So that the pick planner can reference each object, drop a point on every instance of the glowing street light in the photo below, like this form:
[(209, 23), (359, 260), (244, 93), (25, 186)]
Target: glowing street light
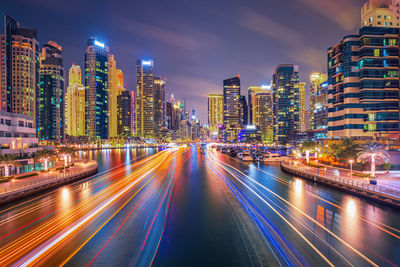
[(351, 168)]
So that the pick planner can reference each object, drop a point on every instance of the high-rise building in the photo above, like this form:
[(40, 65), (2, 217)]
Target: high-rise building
[(159, 105), (133, 112), (319, 105), (96, 84), (115, 88), (50, 97), (19, 69), (380, 13), (75, 120), (363, 92), (124, 114), (232, 109), (286, 102), (244, 110), (215, 112), (302, 106), (252, 92), (263, 114), (144, 98)]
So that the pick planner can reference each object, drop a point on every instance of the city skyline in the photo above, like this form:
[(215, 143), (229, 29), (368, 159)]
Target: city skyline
[(162, 37)]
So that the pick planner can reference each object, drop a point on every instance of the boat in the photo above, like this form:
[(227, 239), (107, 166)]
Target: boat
[(273, 157), (247, 156)]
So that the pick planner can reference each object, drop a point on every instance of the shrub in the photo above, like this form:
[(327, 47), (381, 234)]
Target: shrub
[(28, 175), (361, 175), (4, 179), (314, 165)]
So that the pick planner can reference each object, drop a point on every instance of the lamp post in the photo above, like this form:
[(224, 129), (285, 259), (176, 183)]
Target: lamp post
[(351, 168)]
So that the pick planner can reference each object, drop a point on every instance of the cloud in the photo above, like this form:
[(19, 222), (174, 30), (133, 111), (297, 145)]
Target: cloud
[(181, 37), (339, 11), (265, 26)]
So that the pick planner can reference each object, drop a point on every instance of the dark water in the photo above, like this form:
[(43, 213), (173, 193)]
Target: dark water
[(206, 209)]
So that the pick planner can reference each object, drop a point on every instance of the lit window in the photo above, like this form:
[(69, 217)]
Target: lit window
[(376, 53)]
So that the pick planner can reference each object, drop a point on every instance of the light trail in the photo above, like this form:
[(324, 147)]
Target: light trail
[(219, 162)]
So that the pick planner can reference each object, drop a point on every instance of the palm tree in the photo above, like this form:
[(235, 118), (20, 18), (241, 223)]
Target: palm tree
[(67, 152), (335, 150), (45, 155), (6, 161), (373, 152), (309, 147), (350, 149)]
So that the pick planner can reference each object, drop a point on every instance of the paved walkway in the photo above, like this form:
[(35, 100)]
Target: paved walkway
[(16, 183)]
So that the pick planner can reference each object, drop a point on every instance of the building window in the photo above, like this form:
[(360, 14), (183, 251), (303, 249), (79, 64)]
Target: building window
[(376, 53)]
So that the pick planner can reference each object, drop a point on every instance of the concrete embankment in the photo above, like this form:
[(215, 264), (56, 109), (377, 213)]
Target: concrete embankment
[(29, 188), (376, 193)]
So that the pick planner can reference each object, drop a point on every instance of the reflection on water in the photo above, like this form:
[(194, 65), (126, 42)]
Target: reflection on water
[(65, 198)]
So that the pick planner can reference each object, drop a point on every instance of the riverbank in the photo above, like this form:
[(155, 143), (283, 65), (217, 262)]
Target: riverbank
[(358, 187), (21, 188)]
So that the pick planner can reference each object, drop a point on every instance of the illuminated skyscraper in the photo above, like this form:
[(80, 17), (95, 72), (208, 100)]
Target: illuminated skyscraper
[(215, 112), (244, 111), (124, 114), (75, 104), (263, 114), (319, 105), (133, 112), (252, 92), (159, 105), (19, 69), (302, 106), (380, 13), (96, 84), (286, 102), (363, 90), (144, 98), (50, 96), (232, 108), (115, 88)]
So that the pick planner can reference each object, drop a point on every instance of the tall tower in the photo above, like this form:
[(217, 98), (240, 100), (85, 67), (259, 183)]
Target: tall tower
[(380, 13), (144, 98), (19, 53), (75, 104), (244, 110), (319, 101), (302, 106), (286, 102), (215, 112), (116, 87), (263, 114), (51, 93), (232, 108), (96, 84), (124, 114), (159, 105)]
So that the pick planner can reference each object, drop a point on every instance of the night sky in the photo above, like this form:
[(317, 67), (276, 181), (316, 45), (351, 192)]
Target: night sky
[(195, 44)]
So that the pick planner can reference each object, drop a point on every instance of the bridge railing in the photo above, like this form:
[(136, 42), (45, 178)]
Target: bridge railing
[(21, 185), (341, 178)]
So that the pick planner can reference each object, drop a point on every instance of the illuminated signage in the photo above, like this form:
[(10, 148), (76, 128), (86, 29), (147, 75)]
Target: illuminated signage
[(266, 87), (147, 62), (98, 44), (251, 127)]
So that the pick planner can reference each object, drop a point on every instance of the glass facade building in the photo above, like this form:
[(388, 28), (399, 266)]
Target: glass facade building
[(233, 117), (363, 92)]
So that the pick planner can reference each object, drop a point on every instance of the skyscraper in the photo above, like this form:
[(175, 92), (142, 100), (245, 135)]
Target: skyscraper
[(144, 98), (75, 104), (215, 112), (302, 106), (363, 92), (244, 111), (380, 13), (50, 96), (96, 84), (252, 92), (115, 88), (319, 105), (133, 112), (263, 114), (19, 69), (232, 108), (286, 102), (124, 114), (159, 105)]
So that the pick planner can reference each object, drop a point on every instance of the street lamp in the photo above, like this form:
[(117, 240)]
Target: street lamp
[(351, 168)]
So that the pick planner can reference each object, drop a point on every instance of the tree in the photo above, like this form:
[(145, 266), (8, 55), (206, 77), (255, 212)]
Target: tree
[(334, 150), (6, 161), (350, 150), (45, 155), (373, 152), (67, 152), (309, 147)]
